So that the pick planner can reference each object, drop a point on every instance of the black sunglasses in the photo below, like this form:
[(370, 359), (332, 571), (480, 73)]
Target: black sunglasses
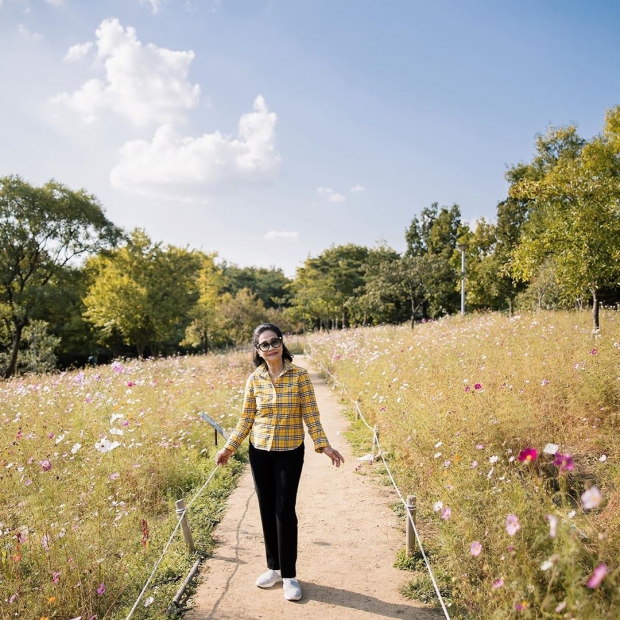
[(276, 343)]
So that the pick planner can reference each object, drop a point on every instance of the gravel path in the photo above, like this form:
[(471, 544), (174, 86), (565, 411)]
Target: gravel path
[(348, 539)]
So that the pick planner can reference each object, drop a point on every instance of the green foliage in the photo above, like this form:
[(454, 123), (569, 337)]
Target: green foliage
[(573, 213), (269, 285), (42, 230), (142, 293)]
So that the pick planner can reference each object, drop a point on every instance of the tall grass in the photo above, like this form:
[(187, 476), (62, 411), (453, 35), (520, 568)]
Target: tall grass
[(91, 464), (459, 402)]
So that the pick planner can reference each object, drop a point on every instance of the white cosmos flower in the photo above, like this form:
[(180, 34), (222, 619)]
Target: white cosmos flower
[(105, 445)]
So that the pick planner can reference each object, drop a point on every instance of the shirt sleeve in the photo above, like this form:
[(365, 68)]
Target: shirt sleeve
[(310, 412), (245, 422)]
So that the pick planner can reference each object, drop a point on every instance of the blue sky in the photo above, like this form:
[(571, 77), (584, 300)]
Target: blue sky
[(268, 130)]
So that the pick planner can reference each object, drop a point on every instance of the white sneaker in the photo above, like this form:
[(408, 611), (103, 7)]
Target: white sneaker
[(268, 579), (292, 589)]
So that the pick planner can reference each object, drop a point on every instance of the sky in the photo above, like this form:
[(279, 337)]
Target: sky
[(269, 130)]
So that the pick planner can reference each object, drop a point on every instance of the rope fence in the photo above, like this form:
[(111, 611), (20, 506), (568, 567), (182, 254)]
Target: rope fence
[(408, 506)]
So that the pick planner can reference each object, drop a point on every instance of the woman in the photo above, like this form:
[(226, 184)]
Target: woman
[(279, 398)]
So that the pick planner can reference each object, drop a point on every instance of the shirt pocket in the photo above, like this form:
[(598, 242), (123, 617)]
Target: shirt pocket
[(264, 397)]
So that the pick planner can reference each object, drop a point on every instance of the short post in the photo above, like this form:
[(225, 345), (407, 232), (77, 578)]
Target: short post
[(375, 438), (357, 409), (215, 434), (187, 533), (411, 512)]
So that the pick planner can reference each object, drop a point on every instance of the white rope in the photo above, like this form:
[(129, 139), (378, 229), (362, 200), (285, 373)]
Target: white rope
[(410, 517), (161, 557), (163, 553)]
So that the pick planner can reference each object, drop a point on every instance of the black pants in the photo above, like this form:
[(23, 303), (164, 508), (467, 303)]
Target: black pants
[(276, 479)]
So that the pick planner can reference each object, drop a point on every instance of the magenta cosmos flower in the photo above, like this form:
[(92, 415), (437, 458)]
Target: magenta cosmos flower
[(528, 455), (597, 576), (101, 589), (564, 462)]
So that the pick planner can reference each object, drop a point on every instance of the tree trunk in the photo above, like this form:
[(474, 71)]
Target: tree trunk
[(17, 339), (412, 313), (595, 310)]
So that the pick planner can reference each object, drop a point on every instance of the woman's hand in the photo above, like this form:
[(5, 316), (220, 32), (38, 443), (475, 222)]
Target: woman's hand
[(334, 455), (221, 458)]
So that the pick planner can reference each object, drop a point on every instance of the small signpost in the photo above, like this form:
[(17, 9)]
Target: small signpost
[(216, 427)]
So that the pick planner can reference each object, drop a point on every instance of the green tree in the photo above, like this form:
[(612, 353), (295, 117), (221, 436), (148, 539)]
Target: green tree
[(142, 293), (435, 235), (326, 287), (206, 328), (42, 230), (270, 285), (575, 217)]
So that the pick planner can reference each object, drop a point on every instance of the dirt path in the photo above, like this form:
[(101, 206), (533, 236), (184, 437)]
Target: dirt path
[(348, 539)]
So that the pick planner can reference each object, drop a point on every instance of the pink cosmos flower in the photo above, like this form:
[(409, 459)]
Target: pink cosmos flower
[(528, 455), (45, 541), (130, 383), (521, 606), (56, 576), (476, 548), (50, 435), (560, 607), (117, 367), (101, 589), (591, 498), (512, 525), (564, 462), (553, 525), (45, 464), (446, 513), (13, 598), (597, 576), (498, 583), (544, 382), (19, 434), (114, 476), (467, 388), (594, 352)]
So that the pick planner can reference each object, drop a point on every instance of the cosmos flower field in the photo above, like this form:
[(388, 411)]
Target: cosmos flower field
[(91, 464), (507, 431)]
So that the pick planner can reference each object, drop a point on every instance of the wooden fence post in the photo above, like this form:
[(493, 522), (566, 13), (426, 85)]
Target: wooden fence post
[(187, 533), (410, 538)]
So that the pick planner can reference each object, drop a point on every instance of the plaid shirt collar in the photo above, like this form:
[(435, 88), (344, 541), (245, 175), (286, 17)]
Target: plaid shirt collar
[(264, 372)]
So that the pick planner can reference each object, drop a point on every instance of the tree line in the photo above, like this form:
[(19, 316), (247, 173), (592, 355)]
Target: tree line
[(75, 288)]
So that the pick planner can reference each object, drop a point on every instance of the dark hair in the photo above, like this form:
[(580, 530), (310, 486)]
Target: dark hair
[(268, 327)]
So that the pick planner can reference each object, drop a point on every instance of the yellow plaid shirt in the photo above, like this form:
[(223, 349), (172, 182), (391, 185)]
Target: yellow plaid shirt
[(274, 411)]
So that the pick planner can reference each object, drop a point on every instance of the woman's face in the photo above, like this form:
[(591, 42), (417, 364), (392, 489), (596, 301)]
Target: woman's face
[(272, 354)]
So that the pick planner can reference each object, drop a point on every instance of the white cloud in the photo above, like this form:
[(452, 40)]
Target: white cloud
[(329, 194), (172, 164), (27, 34), (154, 4), (144, 83), (77, 52), (282, 234), (357, 188), (56, 2)]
